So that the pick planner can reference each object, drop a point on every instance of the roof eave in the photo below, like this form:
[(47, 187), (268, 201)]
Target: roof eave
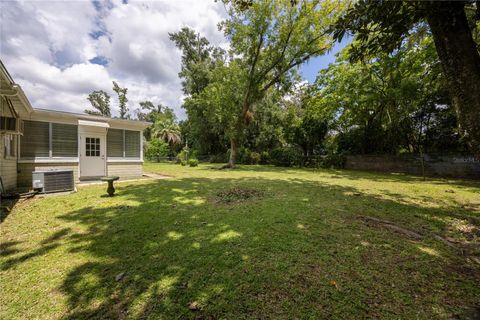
[(81, 116), (23, 98)]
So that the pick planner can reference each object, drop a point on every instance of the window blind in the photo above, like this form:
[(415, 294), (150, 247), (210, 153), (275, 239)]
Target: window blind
[(9, 145), (115, 143), (132, 144), (35, 139), (64, 140)]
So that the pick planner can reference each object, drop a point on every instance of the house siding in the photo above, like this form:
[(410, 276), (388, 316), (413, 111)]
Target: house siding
[(8, 168), (121, 169), (25, 171), (125, 170)]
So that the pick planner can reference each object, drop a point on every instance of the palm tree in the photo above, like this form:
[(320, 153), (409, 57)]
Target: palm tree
[(168, 132)]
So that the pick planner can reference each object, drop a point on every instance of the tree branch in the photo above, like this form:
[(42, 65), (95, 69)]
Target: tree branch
[(250, 75), (280, 57), (293, 63)]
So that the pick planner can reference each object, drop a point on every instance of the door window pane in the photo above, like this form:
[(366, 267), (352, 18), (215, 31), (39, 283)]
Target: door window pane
[(92, 147)]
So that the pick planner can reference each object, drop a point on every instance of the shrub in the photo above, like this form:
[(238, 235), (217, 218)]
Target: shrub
[(184, 155), (334, 160), (218, 158), (156, 149), (245, 156), (286, 156), (193, 162), (264, 157), (315, 161), (255, 158), (183, 163)]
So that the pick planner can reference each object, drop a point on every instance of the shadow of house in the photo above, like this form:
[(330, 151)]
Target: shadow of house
[(6, 205)]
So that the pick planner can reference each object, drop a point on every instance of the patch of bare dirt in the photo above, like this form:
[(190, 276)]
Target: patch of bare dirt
[(238, 194)]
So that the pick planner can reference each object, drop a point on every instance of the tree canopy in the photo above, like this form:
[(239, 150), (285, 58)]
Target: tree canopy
[(406, 83), (268, 39), (454, 26), (122, 100), (100, 101)]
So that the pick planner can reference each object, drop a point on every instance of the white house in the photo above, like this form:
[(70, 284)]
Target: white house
[(36, 139)]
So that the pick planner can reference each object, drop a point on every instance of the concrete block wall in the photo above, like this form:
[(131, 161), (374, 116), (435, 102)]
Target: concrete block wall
[(453, 166)]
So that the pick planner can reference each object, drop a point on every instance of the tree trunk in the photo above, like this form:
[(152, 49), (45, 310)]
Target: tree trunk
[(461, 64), (233, 153), (242, 120)]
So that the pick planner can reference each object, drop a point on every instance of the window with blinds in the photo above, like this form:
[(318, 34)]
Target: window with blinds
[(123, 143), (35, 140), (64, 140), (115, 143), (132, 144)]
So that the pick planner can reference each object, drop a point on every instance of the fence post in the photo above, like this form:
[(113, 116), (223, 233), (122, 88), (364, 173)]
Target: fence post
[(422, 161)]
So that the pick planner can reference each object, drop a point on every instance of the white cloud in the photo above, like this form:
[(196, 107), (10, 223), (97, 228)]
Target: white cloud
[(49, 52)]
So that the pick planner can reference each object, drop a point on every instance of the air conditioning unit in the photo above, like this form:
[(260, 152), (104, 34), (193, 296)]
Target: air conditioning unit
[(11, 125), (53, 181)]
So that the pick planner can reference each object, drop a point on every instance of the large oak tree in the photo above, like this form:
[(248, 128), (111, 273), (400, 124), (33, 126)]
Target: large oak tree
[(269, 39), (383, 25)]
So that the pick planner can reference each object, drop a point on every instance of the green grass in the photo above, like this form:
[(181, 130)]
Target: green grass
[(297, 248)]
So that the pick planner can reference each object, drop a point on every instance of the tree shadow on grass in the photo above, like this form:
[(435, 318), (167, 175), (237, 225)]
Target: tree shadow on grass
[(298, 252), (12, 262), (8, 248)]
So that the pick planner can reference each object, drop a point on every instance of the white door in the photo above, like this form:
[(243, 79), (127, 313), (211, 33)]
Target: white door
[(92, 156)]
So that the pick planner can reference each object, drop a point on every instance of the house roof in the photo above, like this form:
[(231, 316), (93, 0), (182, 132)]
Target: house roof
[(9, 89), (13, 92), (89, 123), (112, 122)]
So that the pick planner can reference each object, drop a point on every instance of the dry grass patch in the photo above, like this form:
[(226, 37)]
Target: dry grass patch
[(238, 194)]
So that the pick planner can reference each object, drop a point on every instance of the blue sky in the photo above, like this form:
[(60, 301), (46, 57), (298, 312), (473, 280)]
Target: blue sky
[(309, 70)]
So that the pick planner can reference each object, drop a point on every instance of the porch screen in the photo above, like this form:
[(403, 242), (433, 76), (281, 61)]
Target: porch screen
[(64, 140), (115, 143), (132, 144), (35, 140), (123, 143)]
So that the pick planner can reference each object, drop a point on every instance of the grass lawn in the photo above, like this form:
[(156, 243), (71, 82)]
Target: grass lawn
[(295, 244)]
